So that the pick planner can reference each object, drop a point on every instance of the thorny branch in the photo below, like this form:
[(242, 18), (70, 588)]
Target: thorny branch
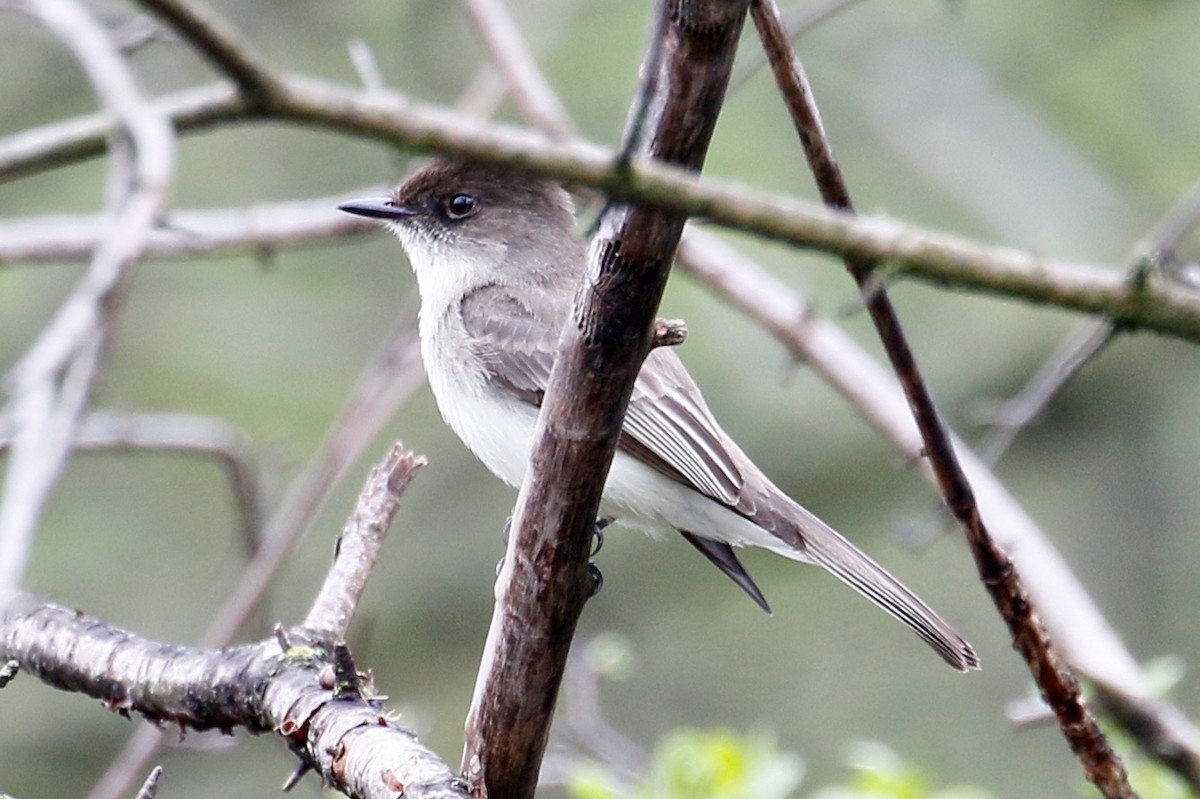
[(300, 685)]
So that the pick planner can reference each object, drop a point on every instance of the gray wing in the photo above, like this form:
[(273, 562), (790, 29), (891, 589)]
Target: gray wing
[(515, 339), (667, 425)]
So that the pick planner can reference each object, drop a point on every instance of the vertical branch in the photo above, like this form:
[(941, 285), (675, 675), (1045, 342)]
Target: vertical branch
[(544, 583), (1049, 669)]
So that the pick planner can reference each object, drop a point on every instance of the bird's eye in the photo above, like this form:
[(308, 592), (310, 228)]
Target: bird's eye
[(460, 206)]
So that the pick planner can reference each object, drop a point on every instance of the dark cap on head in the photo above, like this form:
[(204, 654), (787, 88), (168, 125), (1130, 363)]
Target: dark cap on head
[(447, 193)]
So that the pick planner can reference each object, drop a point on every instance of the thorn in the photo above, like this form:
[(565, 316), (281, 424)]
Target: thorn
[(347, 685)]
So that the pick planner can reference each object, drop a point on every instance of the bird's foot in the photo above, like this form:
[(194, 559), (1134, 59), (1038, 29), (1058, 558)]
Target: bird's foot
[(594, 572), (597, 544)]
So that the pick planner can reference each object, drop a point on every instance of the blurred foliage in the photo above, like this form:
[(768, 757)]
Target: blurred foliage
[(712, 764), (723, 764)]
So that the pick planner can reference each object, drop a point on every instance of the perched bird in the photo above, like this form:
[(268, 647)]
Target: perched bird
[(498, 265)]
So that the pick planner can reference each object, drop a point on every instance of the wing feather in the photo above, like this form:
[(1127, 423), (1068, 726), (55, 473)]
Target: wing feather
[(667, 426)]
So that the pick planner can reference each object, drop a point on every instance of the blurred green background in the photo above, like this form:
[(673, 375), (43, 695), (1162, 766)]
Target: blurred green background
[(1063, 127)]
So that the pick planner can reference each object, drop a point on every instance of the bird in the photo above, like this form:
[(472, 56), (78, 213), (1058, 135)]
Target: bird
[(498, 263)]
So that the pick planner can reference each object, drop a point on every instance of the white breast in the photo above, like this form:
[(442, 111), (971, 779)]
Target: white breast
[(495, 426)]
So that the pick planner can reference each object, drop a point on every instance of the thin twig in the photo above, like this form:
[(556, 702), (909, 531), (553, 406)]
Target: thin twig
[(1156, 248), (1012, 416), (52, 382), (1050, 671), (528, 87), (149, 788), (220, 44), (797, 22), (176, 432), (366, 65), (358, 547), (391, 377)]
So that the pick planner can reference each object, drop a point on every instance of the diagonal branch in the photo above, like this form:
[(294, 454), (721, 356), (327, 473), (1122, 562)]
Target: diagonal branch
[(1090, 643), (383, 385), (1047, 666), (301, 685), (220, 44), (52, 383)]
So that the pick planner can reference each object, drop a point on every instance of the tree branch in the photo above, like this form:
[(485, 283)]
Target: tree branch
[(176, 432), (384, 384), (357, 548), (220, 45), (52, 383), (300, 685), (1003, 581), (544, 582), (940, 258), (1089, 641)]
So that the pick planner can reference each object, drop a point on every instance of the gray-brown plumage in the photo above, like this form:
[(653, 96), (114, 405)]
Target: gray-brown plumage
[(497, 265)]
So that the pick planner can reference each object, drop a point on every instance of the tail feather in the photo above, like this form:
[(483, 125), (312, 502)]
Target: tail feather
[(828, 549)]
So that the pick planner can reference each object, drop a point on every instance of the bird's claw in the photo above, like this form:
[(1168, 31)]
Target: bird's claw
[(596, 577), (598, 534), (597, 543)]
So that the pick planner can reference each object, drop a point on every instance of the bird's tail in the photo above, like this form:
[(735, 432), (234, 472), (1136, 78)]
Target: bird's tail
[(825, 547)]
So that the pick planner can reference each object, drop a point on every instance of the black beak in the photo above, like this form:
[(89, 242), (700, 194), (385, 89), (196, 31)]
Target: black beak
[(377, 208)]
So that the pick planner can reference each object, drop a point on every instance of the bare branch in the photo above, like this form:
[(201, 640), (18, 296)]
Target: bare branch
[(544, 582), (73, 140), (1068, 611), (944, 259), (300, 684), (176, 432), (219, 43), (51, 383), (384, 385), (149, 788), (338, 730), (259, 228), (1003, 581), (796, 22), (1156, 248), (358, 547), (1075, 351), (533, 94), (366, 65)]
